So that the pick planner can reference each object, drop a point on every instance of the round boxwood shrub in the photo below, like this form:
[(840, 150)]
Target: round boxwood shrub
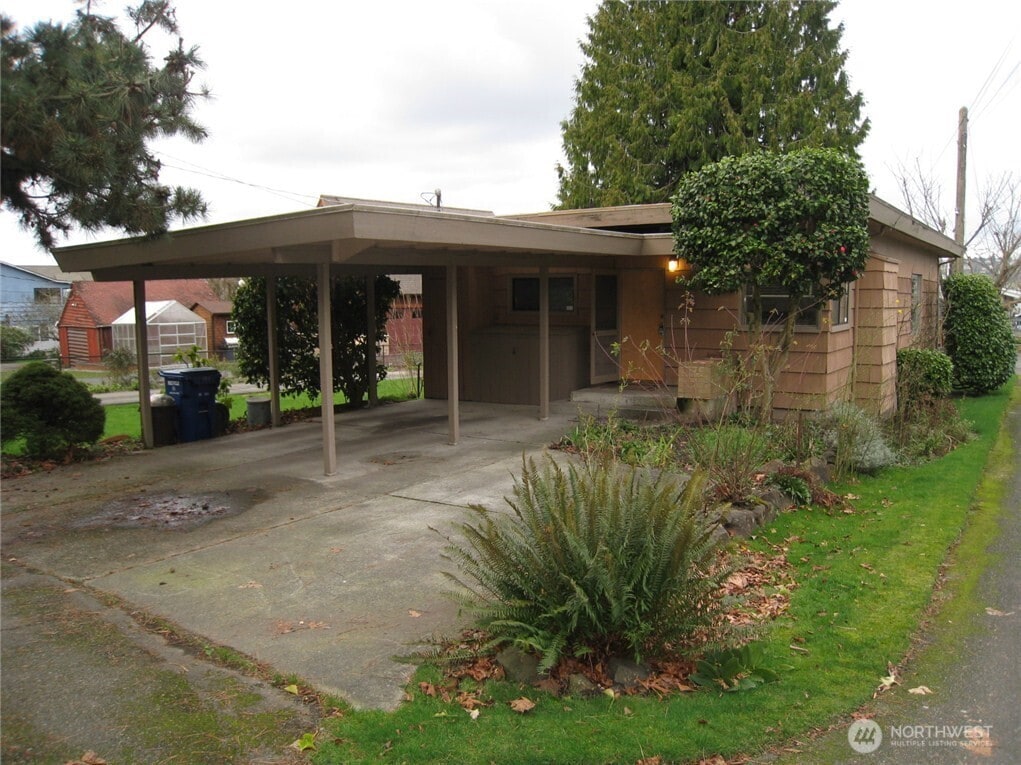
[(979, 339), (51, 410), (924, 372)]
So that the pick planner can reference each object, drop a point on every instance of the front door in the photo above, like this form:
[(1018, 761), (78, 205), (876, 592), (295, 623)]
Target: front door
[(605, 363)]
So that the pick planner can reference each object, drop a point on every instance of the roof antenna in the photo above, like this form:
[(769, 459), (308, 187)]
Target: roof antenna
[(434, 198)]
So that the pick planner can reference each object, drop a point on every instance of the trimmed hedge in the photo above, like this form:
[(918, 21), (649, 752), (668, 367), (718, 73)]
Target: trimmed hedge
[(51, 410), (924, 372), (979, 339)]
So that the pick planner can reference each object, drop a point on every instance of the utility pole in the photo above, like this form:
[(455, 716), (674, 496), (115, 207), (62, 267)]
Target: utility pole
[(962, 161)]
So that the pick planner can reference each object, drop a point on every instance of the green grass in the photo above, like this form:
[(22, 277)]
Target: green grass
[(865, 580), (123, 419)]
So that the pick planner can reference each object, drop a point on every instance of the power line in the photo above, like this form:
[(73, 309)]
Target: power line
[(199, 170)]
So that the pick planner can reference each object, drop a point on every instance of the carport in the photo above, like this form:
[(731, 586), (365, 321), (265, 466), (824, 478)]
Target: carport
[(359, 238)]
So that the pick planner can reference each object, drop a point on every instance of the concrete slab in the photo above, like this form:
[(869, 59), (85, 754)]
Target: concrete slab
[(326, 577)]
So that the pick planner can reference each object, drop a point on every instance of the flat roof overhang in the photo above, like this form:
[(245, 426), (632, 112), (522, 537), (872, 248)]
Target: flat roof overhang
[(354, 236)]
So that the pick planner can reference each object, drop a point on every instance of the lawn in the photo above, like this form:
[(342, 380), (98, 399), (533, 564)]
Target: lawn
[(123, 420), (864, 579)]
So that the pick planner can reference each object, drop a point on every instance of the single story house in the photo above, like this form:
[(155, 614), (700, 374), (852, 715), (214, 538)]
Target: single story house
[(221, 336), (527, 308), (86, 323), (31, 300)]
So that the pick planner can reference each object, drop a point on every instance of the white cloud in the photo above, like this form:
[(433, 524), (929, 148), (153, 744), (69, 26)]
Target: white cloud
[(389, 99)]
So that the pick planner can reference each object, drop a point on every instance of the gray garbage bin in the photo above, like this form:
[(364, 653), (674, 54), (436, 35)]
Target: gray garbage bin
[(259, 412), (164, 420)]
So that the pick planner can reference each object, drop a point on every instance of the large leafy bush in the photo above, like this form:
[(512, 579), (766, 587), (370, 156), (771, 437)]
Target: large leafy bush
[(979, 339), (51, 410), (593, 558)]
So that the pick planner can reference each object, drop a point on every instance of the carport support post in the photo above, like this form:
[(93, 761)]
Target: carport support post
[(370, 337), (453, 386), (544, 342), (326, 369), (273, 350), (142, 348)]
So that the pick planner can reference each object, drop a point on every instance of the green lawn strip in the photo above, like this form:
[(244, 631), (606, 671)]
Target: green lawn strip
[(957, 610), (851, 618), (123, 420)]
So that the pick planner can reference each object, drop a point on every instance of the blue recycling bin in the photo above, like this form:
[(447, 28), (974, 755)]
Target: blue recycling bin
[(194, 393)]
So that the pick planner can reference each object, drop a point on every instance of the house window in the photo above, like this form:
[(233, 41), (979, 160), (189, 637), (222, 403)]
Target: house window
[(232, 327), (916, 303), (525, 293), (840, 309), (48, 295), (774, 307)]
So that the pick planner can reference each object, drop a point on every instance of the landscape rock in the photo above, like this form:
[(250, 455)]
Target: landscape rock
[(772, 467), (775, 499), (518, 666), (719, 535), (818, 467), (740, 521), (626, 672), (579, 685)]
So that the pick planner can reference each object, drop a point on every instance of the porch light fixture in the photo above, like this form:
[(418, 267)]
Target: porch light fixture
[(676, 264)]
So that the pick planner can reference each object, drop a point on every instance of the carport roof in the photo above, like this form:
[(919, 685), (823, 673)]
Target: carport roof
[(354, 236)]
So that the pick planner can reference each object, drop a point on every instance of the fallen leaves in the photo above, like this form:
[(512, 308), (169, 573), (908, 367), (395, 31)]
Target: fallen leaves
[(89, 758), (922, 690), (997, 612), (522, 705), (284, 627), (887, 682), (979, 742), (762, 584)]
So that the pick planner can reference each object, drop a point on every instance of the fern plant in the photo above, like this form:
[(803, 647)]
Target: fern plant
[(596, 557)]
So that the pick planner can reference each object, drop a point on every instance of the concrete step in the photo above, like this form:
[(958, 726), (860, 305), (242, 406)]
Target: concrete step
[(630, 402)]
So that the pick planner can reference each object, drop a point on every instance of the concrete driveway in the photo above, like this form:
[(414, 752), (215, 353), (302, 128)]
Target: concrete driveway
[(324, 577)]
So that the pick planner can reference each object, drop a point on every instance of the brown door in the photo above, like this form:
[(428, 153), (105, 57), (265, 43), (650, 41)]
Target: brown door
[(605, 358)]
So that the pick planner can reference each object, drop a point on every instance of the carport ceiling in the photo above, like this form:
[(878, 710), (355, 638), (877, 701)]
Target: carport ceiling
[(355, 237)]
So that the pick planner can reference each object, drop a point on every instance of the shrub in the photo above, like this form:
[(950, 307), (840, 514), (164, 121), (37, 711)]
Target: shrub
[(794, 486), (14, 341), (731, 455), (923, 372), (595, 558), (122, 366), (979, 339), (931, 428), (51, 410), (857, 439), (619, 439)]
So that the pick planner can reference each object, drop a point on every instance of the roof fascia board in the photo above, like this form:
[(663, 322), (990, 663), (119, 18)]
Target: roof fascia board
[(889, 217)]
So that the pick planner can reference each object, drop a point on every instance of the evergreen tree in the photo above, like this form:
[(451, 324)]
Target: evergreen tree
[(668, 87), (80, 104), (297, 322)]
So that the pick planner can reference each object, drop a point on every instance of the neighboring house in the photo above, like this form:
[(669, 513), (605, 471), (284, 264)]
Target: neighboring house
[(86, 324), (221, 336), (31, 300), (403, 347)]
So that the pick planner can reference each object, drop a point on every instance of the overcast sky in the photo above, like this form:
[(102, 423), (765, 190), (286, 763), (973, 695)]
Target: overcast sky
[(392, 99)]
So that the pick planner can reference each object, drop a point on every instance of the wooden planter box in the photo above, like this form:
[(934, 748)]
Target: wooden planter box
[(704, 380), (703, 389)]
